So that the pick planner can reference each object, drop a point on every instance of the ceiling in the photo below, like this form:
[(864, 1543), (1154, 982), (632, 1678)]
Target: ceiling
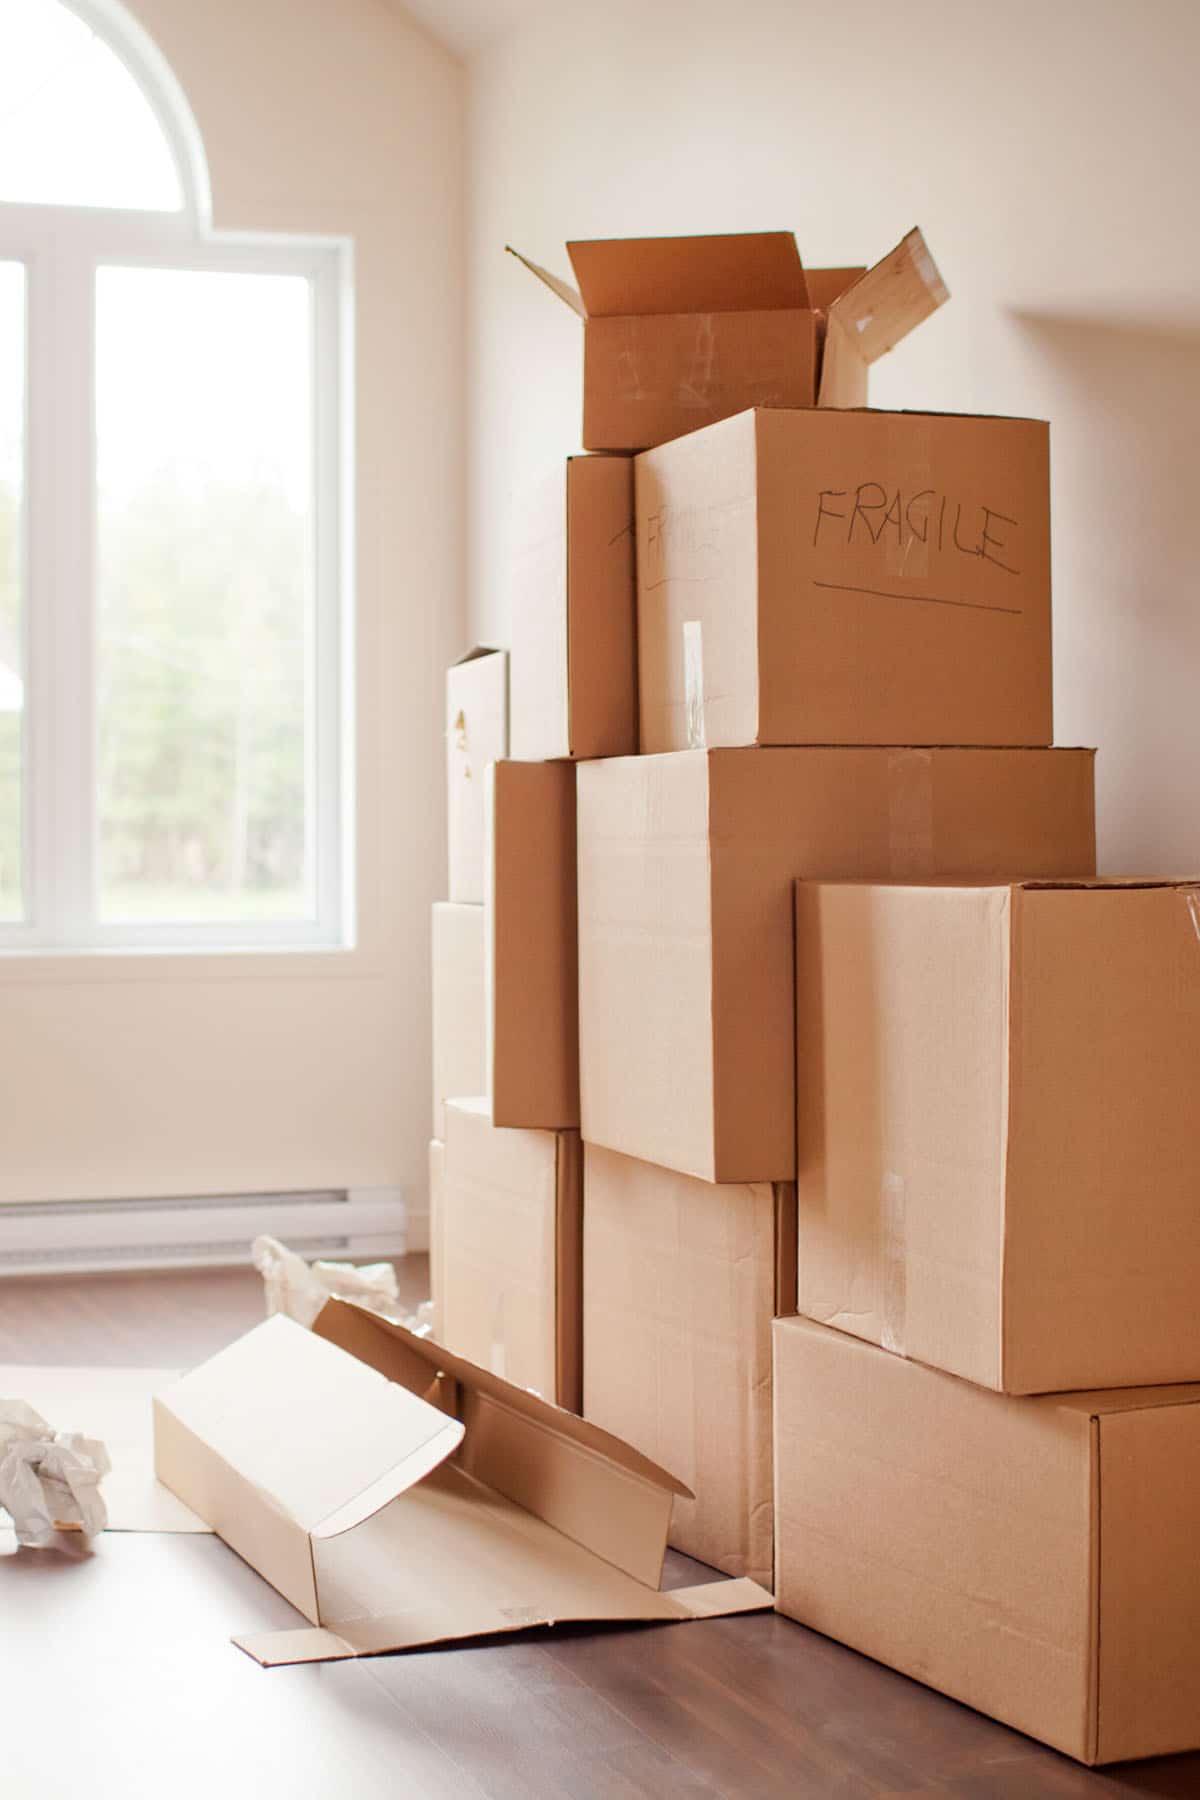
[(466, 25)]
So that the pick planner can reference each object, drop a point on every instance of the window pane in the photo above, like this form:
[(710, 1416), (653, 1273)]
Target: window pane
[(205, 615), (12, 692), (75, 127)]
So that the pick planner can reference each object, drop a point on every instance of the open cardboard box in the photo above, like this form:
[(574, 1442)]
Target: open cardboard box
[(435, 1504), (680, 332)]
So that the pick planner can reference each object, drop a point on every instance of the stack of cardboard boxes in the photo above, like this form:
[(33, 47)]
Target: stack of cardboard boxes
[(829, 661)]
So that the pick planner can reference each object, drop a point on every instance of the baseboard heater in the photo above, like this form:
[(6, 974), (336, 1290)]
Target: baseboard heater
[(210, 1231)]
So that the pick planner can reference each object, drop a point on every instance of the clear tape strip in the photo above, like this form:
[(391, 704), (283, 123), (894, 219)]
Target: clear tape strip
[(894, 1298), (693, 683), (910, 815)]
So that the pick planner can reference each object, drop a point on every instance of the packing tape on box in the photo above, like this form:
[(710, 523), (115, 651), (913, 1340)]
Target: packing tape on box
[(693, 683), (1191, 899), (910, 814), (910, 505), (893, 1299)]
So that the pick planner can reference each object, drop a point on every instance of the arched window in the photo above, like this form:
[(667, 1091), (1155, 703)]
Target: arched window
[(171, 551)]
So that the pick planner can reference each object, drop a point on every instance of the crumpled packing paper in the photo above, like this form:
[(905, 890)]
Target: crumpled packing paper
[(300, 1289), (49, 1479)]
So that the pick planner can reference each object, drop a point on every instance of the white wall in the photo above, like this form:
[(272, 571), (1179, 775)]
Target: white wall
[(1048, 152), (126, 1075)]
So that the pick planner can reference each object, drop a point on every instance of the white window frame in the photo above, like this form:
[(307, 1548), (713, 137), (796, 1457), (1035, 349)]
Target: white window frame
[(62, 248)]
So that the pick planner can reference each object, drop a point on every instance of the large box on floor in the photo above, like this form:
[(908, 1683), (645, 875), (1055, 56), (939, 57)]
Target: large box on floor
[(400, 1497), (1035, 1558), (819, 577), (531, 964), (476, 735), (574, 632), (680, 332), (458, 1005), (686, 864), (509, 1244), (681, 1280), (999, 1160)]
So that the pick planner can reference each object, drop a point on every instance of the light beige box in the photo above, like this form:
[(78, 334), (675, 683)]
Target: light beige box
[(999, 1155), (686, 865), (531, 964), (824, 577), (437, 1175), (459, 1010), (1034, 1558), (681, 1280), (476, 735), (680, 332), (574, 630), (398, 1496), (509, 1251)]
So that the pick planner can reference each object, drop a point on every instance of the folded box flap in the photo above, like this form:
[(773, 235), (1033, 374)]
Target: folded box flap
[(563, 289), (418, 1362), (320, 1435), (756, 271), (891, 299), (474, 652)]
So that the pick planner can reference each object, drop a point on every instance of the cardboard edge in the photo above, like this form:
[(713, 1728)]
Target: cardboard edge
[(787, 1249), (1092, 1709), (722, 1599), (568, 1261), (555, 283), (393, 1482)]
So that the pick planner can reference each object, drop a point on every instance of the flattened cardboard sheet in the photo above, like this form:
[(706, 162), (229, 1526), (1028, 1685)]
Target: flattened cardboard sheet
[(539, 1517)]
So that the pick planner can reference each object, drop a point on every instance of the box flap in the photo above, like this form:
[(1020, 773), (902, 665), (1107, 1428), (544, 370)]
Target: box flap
[(825, 285), (563, 289), (891, 299), (474, 652), (400, 1355), (354, 1441), (739, 272)]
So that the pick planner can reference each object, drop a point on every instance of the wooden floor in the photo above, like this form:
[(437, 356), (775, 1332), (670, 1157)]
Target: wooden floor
[(118, 1680)]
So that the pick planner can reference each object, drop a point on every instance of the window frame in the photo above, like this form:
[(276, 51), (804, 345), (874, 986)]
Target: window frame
[(62, 248)]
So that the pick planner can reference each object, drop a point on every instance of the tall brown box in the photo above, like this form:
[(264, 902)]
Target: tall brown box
[(681, 1280), (476, 735), (686, 865), (999, 1153), (1035, 1558), (821, 577), (508, 1249), (531, 979), (680, 332), (574, 632)]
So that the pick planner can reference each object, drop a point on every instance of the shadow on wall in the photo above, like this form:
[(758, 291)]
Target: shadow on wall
[(1124, 406)]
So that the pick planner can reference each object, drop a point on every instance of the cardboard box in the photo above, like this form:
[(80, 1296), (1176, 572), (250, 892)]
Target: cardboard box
[(999, 1155), (476, 735), (510, 1231), (531, 965), (458, 1005), (686, 864), (681, 1280), (1035, 1558), (437, 1178), (846, 578), (400, 1497), (574, 632), (680, 332)]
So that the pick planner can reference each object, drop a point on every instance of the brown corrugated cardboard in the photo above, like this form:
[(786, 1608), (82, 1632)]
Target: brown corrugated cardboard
[(680, 332), (531, 984), (339, 1488), (509, 1251), (1035, 1558), (458, 1005), (574, 635), (998, 1154), (681, 1280), (476, 735), (820, 577), (686, 863)]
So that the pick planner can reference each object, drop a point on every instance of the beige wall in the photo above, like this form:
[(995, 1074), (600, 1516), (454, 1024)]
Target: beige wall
[(1047, 150), (150, 1075)]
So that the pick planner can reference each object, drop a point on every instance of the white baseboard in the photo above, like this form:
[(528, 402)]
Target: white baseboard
[(213, 1231)]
